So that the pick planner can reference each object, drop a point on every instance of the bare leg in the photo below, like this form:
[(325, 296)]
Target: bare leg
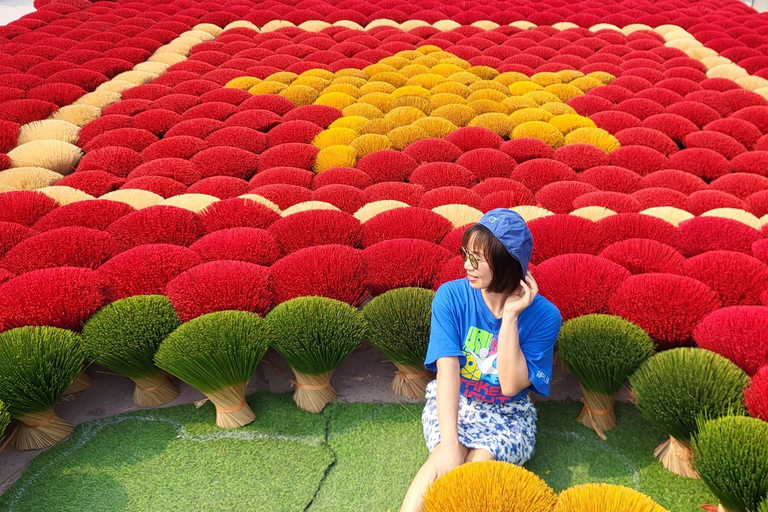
[(478, 455), (413, 501)]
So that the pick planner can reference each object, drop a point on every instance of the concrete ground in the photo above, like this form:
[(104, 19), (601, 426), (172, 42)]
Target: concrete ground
[(364, 376)]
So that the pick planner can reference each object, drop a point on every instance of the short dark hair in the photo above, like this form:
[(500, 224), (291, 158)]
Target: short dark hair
[(507, 271)]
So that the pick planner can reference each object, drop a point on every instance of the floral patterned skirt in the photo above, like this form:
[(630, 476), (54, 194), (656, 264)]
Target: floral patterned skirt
[(508, 430)]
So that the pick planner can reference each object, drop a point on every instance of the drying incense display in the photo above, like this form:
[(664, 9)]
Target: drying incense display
[(674, 387), (81, 382), (124, 336), (37, 364), (315, 334), (398, 325), (605, 498), (602, 351), (732, 459), (489, 485), (217, 354)]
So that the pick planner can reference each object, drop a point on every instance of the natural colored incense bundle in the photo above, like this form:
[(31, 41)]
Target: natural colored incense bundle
[(398, 325), (489, 486), (602, 351), (315, 334), (605, 498), (81, 382), (124, 336), (37, 364), (674, 387), (217, 354), (732, 459)]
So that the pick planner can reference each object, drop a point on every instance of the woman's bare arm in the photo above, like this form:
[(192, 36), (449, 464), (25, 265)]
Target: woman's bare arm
[(510, 360), (448, 386)]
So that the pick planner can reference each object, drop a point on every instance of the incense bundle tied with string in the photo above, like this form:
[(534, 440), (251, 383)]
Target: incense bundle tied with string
[(314, 335), (398, 325), (216, 354), (124, 336), (601, 351), (37, 364)]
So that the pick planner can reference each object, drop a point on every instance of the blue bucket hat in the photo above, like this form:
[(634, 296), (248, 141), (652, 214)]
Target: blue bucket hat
[(510, 229)]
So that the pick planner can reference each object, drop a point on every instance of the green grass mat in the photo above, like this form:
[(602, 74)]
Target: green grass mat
[(379, 449), (567, 453), (176, 459)]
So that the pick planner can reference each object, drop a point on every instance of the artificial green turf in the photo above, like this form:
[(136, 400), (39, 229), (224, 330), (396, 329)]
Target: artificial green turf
[(176, 459), (568, 453), (379, 449)]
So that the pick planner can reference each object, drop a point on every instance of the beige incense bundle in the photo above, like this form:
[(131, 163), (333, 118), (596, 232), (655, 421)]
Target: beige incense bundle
[(398, 325), (81, 382), (216, 354), (37, 364), (124, 336), (675, 387), (314, 335), (601, 351)]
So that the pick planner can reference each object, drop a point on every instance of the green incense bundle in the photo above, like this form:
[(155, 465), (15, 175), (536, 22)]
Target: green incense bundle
[(36, 365), (398, 325), (5, 419), (601, 351), (124, 336), (217, 354), (674, 387), (732, 459), (314, 335)]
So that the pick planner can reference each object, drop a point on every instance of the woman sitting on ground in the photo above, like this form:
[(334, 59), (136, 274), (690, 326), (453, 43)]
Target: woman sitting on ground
[(491, 342)]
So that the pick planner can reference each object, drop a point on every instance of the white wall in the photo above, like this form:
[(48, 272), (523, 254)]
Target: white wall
[(14, 9)]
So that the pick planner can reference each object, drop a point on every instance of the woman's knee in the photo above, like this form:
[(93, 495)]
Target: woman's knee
[(478, 455)]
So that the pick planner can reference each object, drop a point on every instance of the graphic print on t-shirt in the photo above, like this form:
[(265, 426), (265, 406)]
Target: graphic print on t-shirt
[(480, 349)]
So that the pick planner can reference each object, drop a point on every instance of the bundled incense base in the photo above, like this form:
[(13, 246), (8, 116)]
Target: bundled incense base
[(313, 392), (314, 335), (676, 456), (40, 430), (36, 365), (601, 351), (81, 382), (216, 354), (597, 413), (398, 325), (154, 390), (411, 381), (124, 336), (232, 411)]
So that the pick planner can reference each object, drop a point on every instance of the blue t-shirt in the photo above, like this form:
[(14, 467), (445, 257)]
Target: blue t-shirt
[(464, 327)]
